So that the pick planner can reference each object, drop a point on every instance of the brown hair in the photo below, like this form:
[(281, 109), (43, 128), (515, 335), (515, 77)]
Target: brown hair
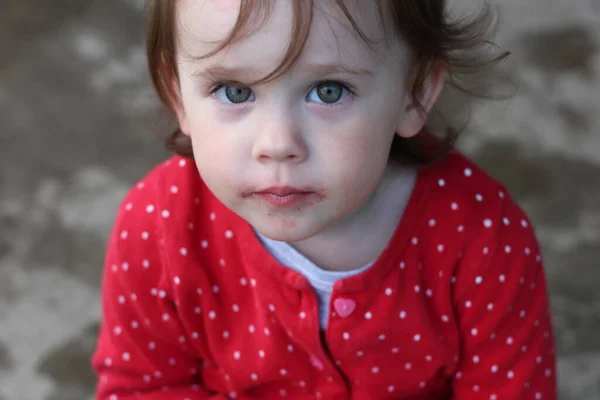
[(431, 35)]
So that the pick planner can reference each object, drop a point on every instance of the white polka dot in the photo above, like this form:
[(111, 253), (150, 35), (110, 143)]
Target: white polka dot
[(476, 359), (391, 388), (267, 331), (149, 208), (151, 345), (290, 348), (478, 280), (507, 249), (490, 307), (251, 329), (183, 251), (415, 241), (479, 197), (474, 331), (422, 384), (228, 234), (165, 317), (460, 228), (252, 282), (375, 370), (494, 369), (432, 222), (468, 304), (124, 235), (282, 372), (506, 221), (428, 293), (237, 355), (302, 315), (174, 189), (368, 315), (212, 315), (454, 206), (417, 288), (510, 374), (146, 264), (261, 353), (442, 183), (502, 278), (388, 291), (524, 223), (428, 358), (145, 235), (381, 337), (182, 163), (212, 216), (408, 365), (487, 223), (402, 314), (395, 350), (402, 265), (440, 248), (126, 356), (225, 334), (417, 337), (165, 213), (468, 172), (445, 318), (204, 244), (346, 336), (254, 377), (235, 308), (486, 250), (215, 289)]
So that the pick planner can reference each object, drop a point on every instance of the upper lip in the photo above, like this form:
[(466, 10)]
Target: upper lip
[(283, 190)]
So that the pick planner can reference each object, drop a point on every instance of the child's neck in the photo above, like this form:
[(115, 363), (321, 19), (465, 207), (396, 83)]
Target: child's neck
[(361, 237)]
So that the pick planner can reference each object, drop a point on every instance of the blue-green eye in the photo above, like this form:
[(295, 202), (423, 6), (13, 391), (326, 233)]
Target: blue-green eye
[(234, 94), (328, 93)]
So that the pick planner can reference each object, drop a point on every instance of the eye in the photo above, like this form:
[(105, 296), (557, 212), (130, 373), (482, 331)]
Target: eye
[(234, 94), (328, 93)]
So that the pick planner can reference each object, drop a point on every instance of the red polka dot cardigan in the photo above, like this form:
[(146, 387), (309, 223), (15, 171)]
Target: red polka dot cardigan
[(195, 308)]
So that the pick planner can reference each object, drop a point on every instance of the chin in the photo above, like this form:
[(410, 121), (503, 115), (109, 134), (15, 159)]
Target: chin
[(287, 232)]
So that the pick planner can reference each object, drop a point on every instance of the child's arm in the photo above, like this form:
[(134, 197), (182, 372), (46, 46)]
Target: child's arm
[(503, 314), (143, 351)]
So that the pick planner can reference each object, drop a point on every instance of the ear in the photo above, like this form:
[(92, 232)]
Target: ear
[(178, 108), (413, 117)]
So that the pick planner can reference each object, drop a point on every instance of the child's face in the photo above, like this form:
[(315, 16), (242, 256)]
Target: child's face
[(318, 128)]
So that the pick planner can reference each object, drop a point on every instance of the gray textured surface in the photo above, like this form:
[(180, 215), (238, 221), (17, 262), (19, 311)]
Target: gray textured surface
[(79, 126)]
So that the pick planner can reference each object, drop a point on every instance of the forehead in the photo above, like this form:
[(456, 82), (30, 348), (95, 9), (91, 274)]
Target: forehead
[(203, 24)]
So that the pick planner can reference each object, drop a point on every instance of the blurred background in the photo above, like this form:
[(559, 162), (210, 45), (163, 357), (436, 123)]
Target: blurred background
[(80, 124)]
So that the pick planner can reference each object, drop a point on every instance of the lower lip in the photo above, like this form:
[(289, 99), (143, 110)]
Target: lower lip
[(289, 200)]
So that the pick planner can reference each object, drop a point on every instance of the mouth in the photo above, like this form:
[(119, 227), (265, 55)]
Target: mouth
[(285, 196)]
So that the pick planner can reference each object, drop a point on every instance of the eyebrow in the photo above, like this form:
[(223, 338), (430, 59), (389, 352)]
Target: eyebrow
[(219, 72)]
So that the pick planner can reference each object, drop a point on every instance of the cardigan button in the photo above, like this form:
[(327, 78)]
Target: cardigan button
[(344, 307)]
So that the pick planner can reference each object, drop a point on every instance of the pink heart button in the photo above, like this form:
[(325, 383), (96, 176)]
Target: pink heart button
[(344, 307)]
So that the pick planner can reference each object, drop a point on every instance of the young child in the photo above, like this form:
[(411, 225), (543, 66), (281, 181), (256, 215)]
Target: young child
[(319, 243)]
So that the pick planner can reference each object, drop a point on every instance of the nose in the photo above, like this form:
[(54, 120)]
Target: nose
[(279, 139)]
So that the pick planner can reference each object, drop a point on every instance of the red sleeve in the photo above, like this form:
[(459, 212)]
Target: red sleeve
[(501, 301), (133, 358)]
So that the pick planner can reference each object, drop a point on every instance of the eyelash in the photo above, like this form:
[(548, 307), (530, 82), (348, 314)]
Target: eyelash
[(216, 86)]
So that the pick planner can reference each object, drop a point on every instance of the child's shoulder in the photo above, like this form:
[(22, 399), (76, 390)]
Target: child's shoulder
[(168, 197), (459, 186)]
